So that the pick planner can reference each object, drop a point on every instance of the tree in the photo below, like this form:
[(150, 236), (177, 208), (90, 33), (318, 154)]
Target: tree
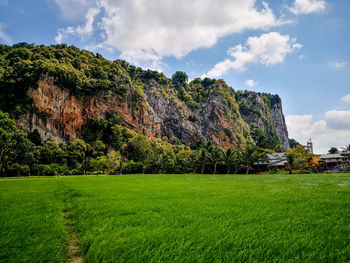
[(14, 145), (333, 150), (215, 157), (260, 138), (7, 131), (293, 143), (251, 155), (179, 79), (98, 149), (114, 161), (346, 148), (183, 161), (227, 160), (138, 148), (51, 152), (78, 152), (278, 148), (237, 160), (202, 159), (291, 161)]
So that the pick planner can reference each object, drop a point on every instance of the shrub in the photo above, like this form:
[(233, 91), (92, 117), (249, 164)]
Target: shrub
[(131, 167)]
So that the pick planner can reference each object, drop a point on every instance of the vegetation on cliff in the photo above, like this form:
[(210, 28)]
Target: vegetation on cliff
[(83, 74), (108, 141)]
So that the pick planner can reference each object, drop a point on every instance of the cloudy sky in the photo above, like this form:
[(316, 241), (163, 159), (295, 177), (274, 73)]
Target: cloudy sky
[(298, 49)]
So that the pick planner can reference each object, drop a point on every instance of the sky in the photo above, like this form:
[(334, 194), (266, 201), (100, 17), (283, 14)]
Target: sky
[(298, 49)]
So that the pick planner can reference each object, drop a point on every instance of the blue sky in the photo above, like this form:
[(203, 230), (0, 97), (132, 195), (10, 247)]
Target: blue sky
[(298, 49)]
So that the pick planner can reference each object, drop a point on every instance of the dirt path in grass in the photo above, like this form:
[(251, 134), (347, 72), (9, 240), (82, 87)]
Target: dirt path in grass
[(73, 249), (74, 253)]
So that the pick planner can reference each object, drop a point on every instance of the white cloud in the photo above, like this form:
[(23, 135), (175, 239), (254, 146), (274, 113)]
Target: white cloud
[(338, 120), (333, 130), (3, 36), (74, 9), (268, 49), (299, 127), (80, 31), (346, 98), (307, 6), (250, 83), (337, 65), (153, 29)]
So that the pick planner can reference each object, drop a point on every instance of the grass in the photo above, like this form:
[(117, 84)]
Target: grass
[(179, 218), (31, 222)]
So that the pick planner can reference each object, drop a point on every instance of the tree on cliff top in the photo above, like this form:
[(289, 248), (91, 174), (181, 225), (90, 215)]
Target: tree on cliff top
[(179, 79)]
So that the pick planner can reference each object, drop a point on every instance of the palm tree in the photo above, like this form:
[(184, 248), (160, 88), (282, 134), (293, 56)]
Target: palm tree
[(237, 160), (251, 155), (227, 160), (202, 159), (215, 157), (291, 161), (192, 161), (346, 148)]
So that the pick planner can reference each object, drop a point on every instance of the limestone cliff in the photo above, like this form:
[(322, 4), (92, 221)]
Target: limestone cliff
[(56, 112), (264, 111), (58, 89)]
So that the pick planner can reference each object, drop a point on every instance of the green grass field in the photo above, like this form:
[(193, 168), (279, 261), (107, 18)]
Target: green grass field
[(178, 218)]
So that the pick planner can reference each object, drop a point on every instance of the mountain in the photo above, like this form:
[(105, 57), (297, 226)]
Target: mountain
[(63, 91)]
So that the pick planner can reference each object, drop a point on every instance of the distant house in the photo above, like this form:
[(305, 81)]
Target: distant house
[(276, 160), (334, 162)]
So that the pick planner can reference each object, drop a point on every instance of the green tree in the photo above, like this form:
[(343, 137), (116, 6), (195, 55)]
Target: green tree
[(346, 148), (139, 148), (79, 154), (227, 159), (260, 138), (52, 152), (291, 161), (237, 160), (333, 150), (114, 162), (14, 145), (293, 143), (202, 159), (251, 155), (179, 79), (215, 157)]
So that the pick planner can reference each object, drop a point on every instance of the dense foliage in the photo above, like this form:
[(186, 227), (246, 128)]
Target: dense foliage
[(79, 71), (115, 150)]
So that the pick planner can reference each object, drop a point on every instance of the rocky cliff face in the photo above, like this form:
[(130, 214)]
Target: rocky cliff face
[(211, 121), (56, 112), (58, 89), (264, 111), (280, 124)]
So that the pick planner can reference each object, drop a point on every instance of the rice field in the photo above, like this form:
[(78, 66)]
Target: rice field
[(177, 218)]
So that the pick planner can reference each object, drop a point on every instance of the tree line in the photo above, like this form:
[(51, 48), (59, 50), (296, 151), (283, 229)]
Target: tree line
[(118, 151)]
